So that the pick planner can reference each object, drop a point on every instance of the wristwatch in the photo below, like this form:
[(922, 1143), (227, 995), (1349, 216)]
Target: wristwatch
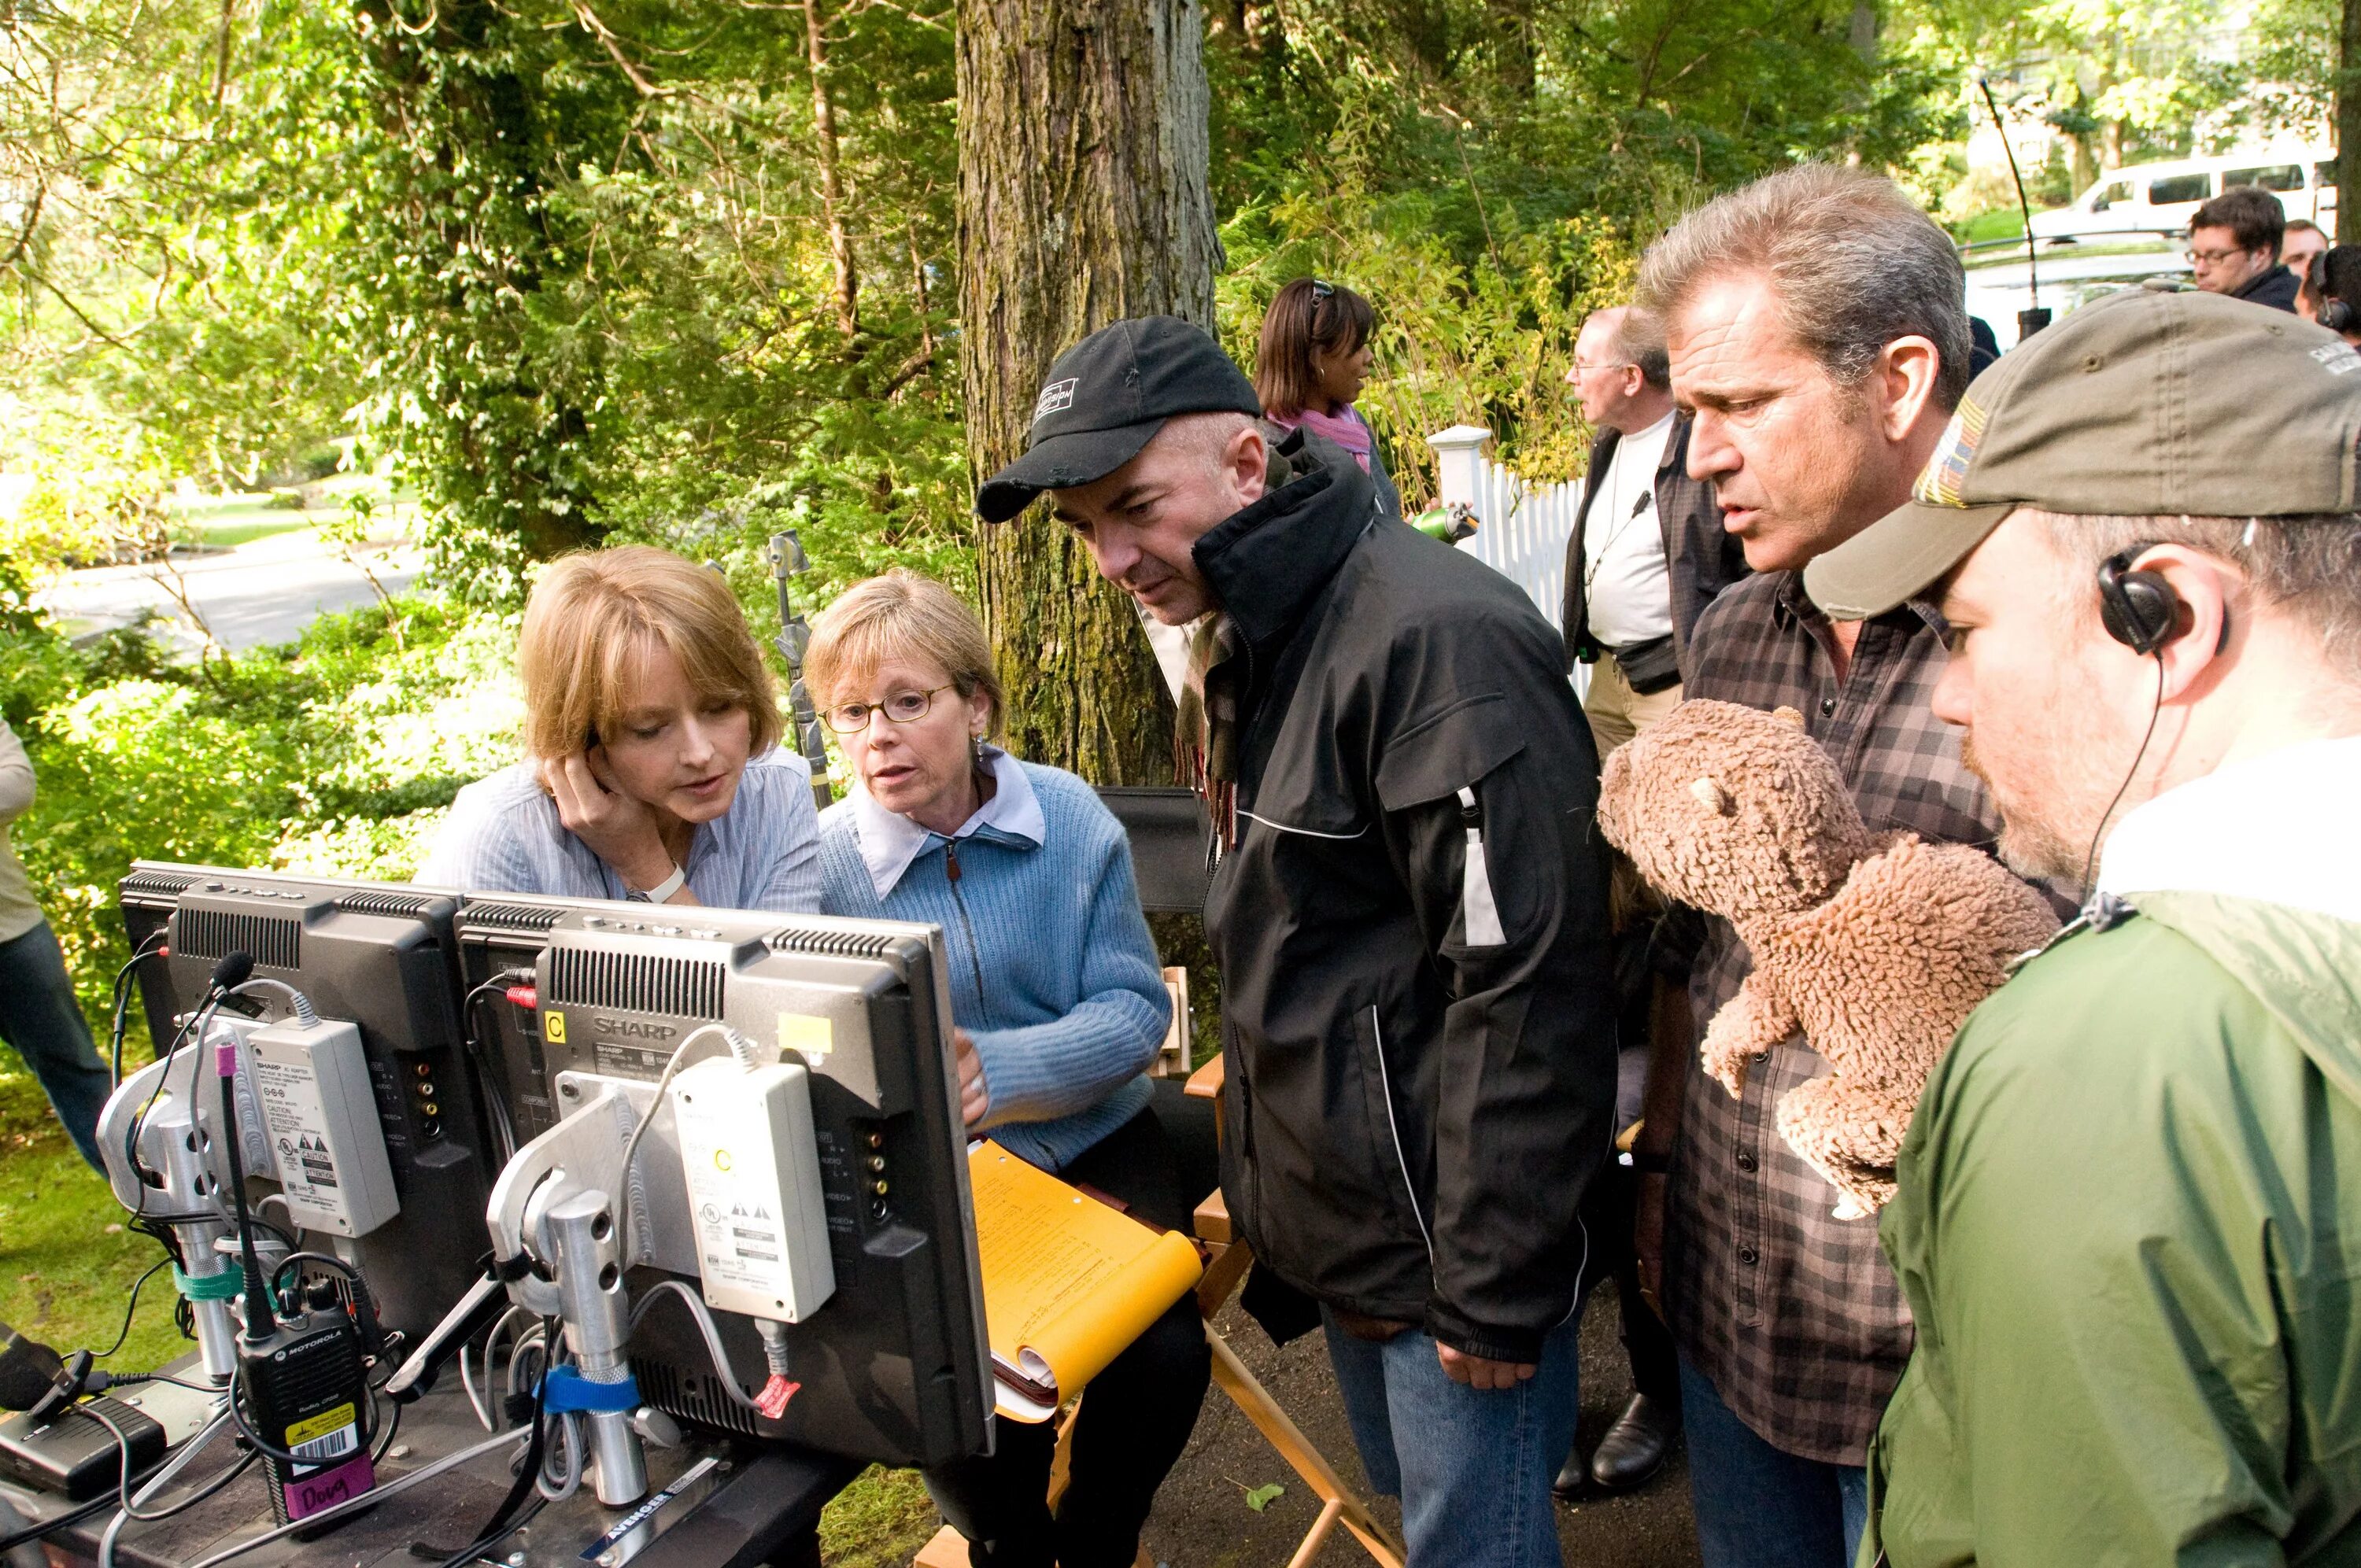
[(660, 894)]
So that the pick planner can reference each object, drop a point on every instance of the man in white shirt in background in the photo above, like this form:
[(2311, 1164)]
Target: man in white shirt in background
[(1650, 552), (1648, 555)]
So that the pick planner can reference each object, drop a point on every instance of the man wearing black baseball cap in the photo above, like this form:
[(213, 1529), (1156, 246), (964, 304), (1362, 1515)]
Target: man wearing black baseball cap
[(1409, 908), (2125, 1211)]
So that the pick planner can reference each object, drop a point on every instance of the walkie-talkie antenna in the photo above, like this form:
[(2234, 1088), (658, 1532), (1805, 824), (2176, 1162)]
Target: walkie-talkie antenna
[(788, 561)]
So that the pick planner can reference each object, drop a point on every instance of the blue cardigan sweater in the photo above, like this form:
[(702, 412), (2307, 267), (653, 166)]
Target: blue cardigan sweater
[(1052, 971)]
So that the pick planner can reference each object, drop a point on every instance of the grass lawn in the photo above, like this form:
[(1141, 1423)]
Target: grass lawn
[(2005, 223), (67, 1266)]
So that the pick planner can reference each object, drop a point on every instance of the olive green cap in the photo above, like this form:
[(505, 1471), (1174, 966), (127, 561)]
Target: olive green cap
[(2153, 401)]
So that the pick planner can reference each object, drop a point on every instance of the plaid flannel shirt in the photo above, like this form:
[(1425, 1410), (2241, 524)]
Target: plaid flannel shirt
[(1794, 1314)]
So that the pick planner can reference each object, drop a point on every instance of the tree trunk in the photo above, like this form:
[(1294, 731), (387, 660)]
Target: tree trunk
[(831, 178), (2348, 125), (1083, 200)]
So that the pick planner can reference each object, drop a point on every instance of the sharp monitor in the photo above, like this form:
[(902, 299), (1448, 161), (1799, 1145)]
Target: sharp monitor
[(408, 1211), (594, 997)]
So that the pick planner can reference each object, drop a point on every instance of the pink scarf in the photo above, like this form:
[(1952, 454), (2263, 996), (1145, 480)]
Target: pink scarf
[(1347, 430)]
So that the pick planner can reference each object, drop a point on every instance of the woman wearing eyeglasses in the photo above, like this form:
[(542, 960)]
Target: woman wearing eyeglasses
[(1312, 364), (1059, 1006), (652, 768)]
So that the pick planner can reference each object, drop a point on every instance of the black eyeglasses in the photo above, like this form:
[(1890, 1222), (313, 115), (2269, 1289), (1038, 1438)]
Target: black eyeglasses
[(1322, 291), (902, 707)]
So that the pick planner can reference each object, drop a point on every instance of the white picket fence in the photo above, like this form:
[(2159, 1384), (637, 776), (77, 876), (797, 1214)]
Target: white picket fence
[(1521, 530)]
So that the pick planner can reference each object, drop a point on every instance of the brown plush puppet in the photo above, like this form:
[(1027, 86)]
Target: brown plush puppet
[(1876, 946)]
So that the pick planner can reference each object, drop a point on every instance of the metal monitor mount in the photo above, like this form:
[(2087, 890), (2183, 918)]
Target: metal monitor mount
[(556, 1205), (788, 561)]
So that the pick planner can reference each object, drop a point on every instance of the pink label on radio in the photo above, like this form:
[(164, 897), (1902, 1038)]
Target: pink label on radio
[(326, 1488)]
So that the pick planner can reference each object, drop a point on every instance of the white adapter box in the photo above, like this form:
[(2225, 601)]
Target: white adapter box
[(318, 1108), (752, 1170)]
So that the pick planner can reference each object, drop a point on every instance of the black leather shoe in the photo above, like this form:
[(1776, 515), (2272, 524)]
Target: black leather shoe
[(1633, 1449)]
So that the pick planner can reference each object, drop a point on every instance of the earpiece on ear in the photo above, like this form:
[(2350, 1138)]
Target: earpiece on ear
[(2139, 610)]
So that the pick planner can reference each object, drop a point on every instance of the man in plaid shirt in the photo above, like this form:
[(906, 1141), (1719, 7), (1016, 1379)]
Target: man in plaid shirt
[(1818, 331)]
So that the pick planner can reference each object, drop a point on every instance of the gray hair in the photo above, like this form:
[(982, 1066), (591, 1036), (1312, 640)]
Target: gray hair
[(1853, 264), (1636, 337), (2307, 568)]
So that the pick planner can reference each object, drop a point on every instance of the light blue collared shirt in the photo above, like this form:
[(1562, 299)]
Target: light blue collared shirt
[(890, 841), (503, 836)]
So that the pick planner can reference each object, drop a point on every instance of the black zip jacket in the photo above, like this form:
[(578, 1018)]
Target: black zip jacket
[(1416, 1101)]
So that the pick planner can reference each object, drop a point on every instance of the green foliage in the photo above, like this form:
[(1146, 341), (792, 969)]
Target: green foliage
[(335, 754)]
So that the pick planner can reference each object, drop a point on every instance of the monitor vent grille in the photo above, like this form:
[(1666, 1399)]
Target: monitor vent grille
[(832, 943), (398, 904), (635, 982), (691, 1397), (173, 883), (521, 916), (274, 942)]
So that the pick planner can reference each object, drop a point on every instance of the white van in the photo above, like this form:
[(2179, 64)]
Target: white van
[(2164, 196)]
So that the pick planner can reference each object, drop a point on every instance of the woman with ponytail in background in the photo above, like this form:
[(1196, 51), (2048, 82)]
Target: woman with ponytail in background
[(1312, 362)]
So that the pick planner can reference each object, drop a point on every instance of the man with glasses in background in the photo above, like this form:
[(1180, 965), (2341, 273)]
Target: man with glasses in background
[(1647, 554), (2234, 247)]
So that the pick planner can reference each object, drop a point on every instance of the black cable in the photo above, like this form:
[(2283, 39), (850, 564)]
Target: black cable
[(505, 1521), (2091, 860), (385, 1441), (34, 1533), (260, 1318), (483, 1060), (125, 1333), (131, 1134), (122, 1009)]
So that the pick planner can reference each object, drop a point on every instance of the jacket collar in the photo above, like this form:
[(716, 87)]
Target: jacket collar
[(1266, 562), (890, 843)]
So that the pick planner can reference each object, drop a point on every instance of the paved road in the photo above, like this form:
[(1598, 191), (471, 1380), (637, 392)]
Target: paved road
[(263, 592)]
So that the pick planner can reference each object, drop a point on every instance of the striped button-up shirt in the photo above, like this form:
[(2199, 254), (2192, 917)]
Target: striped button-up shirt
[(1794, 1314), (503, 836)]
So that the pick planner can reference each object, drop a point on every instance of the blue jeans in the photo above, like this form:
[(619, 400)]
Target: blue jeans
[(1759, 1506), (1472, 1466), (40, 1017)]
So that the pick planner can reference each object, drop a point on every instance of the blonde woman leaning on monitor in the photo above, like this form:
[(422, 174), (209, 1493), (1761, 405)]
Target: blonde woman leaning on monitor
[(653, 766)]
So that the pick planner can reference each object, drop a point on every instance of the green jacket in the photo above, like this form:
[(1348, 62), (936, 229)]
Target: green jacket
[(2122, 1226)]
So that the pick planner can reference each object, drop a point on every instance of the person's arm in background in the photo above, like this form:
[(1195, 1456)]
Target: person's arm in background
[(15, 776), (1039, 1071), (1527, 1091)]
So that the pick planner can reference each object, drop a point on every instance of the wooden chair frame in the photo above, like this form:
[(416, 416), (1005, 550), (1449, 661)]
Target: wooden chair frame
[(1225, 1271)]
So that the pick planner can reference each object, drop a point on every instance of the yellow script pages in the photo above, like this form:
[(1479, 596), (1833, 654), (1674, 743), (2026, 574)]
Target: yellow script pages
[(1068, 1282)]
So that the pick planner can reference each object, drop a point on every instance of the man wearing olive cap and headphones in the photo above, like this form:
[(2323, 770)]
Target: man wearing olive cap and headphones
[(2126, 1193)]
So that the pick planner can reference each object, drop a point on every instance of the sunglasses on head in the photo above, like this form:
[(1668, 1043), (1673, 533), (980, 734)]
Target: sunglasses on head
[(1321, 291)]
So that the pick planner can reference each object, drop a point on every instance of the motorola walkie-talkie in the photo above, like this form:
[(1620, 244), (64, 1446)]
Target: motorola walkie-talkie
[(303, 1380)]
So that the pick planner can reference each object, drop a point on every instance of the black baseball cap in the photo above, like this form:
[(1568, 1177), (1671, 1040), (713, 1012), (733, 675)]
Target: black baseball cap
[(1106, 397)]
